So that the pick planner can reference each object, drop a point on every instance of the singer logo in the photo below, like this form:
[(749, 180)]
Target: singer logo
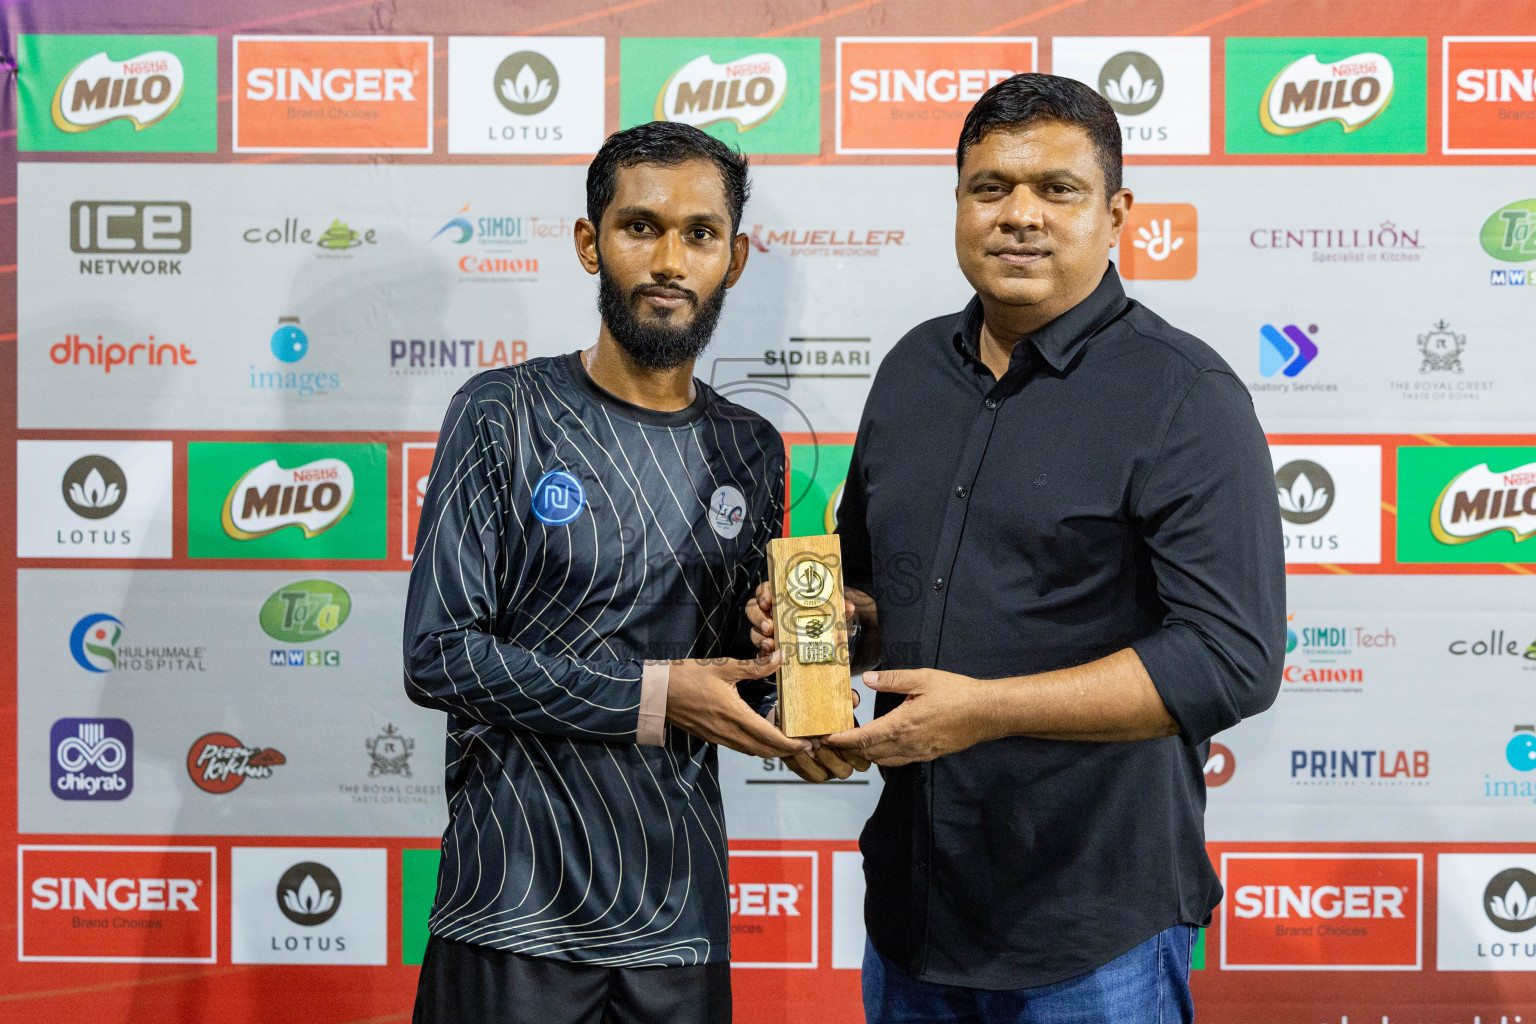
[(773, 908), (314, 497), (1322, 911), (418, 466), (333, 94), (134, 904), (1159, 242), (911, 95), (1488, 98)]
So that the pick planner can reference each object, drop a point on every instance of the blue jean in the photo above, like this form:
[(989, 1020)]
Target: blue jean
[(1148, 985)]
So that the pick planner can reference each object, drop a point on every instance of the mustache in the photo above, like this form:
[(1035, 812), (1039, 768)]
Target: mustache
[(669, 291)]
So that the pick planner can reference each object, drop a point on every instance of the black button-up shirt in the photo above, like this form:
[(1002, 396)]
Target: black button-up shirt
[(1112, 490)]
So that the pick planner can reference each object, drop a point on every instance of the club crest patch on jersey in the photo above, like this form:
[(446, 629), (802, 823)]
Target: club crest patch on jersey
[(558, 498), (727, 511)]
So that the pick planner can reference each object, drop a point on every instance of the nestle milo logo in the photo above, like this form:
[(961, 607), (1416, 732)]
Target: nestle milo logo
[(304, 611)]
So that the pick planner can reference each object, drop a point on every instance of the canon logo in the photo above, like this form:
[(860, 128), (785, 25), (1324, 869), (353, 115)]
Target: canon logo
[(1495, 85), (49, 893), (765, 899), (1325, 901), (945, 85), (338, 85)]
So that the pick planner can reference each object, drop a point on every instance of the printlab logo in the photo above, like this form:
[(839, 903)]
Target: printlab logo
[(94, 487), (1305, 490), (1509, 235), (116, 228), (219, 763), (1220, 765), (1286, 350), (1510, 900), (526, 83), (309, 894), (389, 753), (92, 758), (1162, 242)]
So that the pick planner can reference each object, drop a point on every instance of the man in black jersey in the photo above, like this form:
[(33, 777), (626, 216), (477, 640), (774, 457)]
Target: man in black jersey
[(592, 523)]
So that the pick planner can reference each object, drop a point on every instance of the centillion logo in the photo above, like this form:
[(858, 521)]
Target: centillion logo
[(314, 497)]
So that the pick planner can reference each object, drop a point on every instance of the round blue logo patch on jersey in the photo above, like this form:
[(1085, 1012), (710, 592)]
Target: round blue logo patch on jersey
[(558, 498)]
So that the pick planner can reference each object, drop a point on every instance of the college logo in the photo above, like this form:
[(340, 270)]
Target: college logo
[(773, 905), (1220, 765), (1497, 645), (335, 241), (389, 753), (508, 94), (1486, 908), (92, 759), (74, 499), (158, 95), (1159, 86), (1285, 350), (416, 461), (296, 501), (219, 763), (1465, 504), (305, 901), (308, 905), (1322, 911), (558, 498), (727, 511), (1305, 491), (1164, 242), (333, 94), (1488, 94), (130, 904), (911, 94), (1334, 95), (1330, 502), (125, 226), (763, 96)]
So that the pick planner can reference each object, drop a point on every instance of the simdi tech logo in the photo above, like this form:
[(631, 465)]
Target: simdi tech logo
[(1326, 95), (285, 500), (124, 904), (332, 94), (899, 94), (1472, 504), (1488, 95), (526, 94), (761, 95), (141, 94)]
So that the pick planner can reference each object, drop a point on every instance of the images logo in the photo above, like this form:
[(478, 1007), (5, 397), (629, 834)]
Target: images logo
[(773, 908), (93, 642), (1163, 242), (1509, 233), (761, 95), (504, 97), (314, 496), (1286, 350), (1335, 95), (77, 96), (306, 901), (910, 95), (129, 904), (290, 344), (1493, 106), (92, 758), (94, 487), (219, 763), (333, 94), (1305, 491)]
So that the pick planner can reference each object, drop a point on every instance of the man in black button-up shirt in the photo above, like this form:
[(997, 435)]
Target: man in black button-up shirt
[(1062, 512)]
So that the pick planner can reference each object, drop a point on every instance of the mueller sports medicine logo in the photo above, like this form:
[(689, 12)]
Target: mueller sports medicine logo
[(773, 902), (91, 759), (118, 903), (1488, 102), (746, 91), (99, 90), (136, 234), (218, 763), (1324, 911), (333, 94), (1478, 502), (1308, 92), (314, 497)]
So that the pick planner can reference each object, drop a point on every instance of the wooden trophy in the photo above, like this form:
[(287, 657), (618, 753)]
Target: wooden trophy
[(815, 690)]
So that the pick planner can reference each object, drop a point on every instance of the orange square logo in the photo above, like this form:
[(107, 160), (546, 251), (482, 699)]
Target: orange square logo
[(418, 466), (1322, 912), (1488, 98), (773, 908), (1160, 242), (333, 94), (911, 94)]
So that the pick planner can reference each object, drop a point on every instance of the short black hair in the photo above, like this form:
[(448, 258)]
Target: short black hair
[(1025, 99), (667, 143)]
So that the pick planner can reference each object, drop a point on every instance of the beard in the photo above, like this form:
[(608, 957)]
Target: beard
[(659, 344)]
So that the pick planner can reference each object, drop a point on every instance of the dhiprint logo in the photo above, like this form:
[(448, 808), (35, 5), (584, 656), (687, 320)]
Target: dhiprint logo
[(526, 83), (1305, 490), (92, 758), (98, 90), (93, 642), (94, 487), (1132, 82), (314, 497), (74, 352), (1163, 242), (1287, 350), (1219, 766), (1510, 900), (309, 894), (727, 511), (558, 498), (219, 763)]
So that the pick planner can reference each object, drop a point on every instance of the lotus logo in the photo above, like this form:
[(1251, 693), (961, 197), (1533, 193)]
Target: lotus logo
[(314, 497), (745, 92), (94, 487), (1305, 490), (98, 90), (1510, 900), (1479, 501), (1132, 82), (309, 894), (1308, 92), (526, 82)]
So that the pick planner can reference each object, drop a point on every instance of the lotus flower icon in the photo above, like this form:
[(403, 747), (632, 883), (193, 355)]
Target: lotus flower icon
[(1305, 491), (526, 82), (1132, 82), (527, 88), (94, 491), (1131, 89), (1510, 900), (1514, 905), (309, 893), (309, 899), (1303, 498)]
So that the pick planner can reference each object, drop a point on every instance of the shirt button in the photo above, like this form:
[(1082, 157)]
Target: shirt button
[(991, 403), (938, 583), (961, 492)]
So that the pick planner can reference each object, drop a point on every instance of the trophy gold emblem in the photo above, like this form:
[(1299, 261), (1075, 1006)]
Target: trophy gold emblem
[(815, 695)]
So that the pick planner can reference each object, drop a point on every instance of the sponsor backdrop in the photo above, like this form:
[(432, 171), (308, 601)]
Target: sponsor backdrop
[(251, 251)]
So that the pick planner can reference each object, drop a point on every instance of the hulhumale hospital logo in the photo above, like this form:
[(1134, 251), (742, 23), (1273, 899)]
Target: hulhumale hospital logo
[(93, 642), (558, 498)]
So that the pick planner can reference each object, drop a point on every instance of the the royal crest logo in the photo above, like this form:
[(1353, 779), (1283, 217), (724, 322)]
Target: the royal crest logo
[(745, 92), (390, 753), (1308, 92), (218, 763), (1478, 502), (314, 497), (99, 89), (1441, 349)]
